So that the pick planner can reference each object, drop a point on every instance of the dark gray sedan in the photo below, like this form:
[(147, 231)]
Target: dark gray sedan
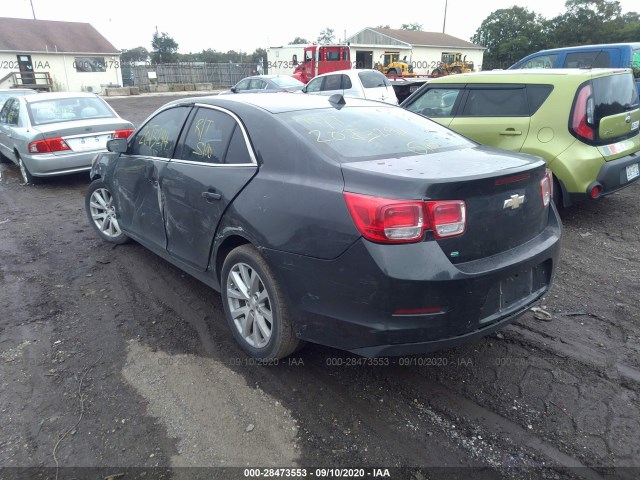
[(350, 223), (57, 133)]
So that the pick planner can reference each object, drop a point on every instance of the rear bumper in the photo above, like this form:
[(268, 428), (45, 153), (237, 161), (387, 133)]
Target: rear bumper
[(611, 177), (367, 300), (45, 165)]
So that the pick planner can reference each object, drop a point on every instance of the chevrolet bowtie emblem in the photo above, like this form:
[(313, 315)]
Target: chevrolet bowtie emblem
[(514, 201)]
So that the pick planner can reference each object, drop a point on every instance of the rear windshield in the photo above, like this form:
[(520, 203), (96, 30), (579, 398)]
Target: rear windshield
[(68, 109), (614, 94), (373, 79), (366, 133)]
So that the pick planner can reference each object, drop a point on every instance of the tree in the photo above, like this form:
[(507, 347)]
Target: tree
[(327, 36), (383, 26), (411, 26), (299, 41), (138, 54), (586, 22), (510, 34), (165, 48)]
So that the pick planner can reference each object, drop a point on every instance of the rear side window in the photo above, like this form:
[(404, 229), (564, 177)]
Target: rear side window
[(613, 95), (373, 79), (208, 136), (588, 59), (332, 82), (496, 102), (537, 94)]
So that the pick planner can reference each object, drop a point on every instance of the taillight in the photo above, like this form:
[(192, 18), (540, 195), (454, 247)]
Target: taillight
[(386, 220), (122, 134), (48, 145), (546, 188), (582, 117), (448, 218)]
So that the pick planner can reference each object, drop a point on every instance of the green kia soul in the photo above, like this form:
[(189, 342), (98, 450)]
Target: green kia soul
[(584, 123)]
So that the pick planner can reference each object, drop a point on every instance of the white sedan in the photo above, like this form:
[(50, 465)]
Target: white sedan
[(368, 84)]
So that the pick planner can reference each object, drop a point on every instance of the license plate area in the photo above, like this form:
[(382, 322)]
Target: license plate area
[(513, 292), (89, 142), (632, 172)]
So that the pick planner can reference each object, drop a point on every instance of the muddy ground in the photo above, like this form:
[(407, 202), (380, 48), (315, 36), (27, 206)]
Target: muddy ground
[(110, 357)]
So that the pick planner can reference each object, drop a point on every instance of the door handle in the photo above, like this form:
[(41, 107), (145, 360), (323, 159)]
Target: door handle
[(511, 132), (211, 196)]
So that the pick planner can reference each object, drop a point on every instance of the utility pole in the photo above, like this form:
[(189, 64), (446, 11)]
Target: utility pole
[(32, 9), (444, 23)]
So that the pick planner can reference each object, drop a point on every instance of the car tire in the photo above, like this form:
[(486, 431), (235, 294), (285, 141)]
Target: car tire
[(437, 72), (456, 70), (392, 71), (25, 173), (98, 203), (557, 194), (255, 306)]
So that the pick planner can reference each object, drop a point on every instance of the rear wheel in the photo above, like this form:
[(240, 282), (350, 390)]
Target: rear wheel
[(557, 193), (26, 174), (437, 72), (456, 70), (392, 71), (255, 306), (102, 214)]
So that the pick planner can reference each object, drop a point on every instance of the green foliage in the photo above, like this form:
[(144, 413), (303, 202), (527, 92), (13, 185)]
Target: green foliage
[(383, 26), (509, 34), (411, 26), (327, 36), (138, 54), (512, 33), (165, 48), (299, 41)]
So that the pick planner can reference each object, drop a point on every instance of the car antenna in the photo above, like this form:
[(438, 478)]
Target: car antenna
[(337, 101)]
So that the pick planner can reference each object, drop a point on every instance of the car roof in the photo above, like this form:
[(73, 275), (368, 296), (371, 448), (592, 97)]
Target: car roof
[(57, 96), (527, 75), (275, 102)]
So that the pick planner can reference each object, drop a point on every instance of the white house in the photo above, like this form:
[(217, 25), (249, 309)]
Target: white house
[(56, 56)]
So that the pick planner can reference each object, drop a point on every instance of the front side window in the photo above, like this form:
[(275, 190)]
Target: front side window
[(435, 102), (257, 84), (332, 82), (542, 61), (13, 117), (314, 85), (242, 85), (159, 135), (496, 102)]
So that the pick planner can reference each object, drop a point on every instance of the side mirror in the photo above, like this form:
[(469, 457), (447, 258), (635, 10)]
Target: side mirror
[(304, 89), (233, 89), (117, 145)]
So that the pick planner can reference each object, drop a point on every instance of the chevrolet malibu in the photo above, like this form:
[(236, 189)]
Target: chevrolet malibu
[(348, 223), (57, 133)]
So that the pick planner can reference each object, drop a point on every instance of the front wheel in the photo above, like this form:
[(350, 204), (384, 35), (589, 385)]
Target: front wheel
[(255, 306), (392, 71), (98, 203)]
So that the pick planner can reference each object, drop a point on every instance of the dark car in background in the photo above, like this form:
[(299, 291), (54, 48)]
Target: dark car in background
[(265, 83), (349, 223), (57, 133)]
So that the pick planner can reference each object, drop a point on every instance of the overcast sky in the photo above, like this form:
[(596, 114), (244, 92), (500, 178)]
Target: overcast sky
[(247, 25)]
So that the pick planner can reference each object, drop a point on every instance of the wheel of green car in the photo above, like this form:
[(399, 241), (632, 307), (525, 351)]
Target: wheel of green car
[(255, 306), (102, 213)]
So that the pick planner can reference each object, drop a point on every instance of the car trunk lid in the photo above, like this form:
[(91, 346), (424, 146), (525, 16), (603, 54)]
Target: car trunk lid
[(83, 135), (502, 192)]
